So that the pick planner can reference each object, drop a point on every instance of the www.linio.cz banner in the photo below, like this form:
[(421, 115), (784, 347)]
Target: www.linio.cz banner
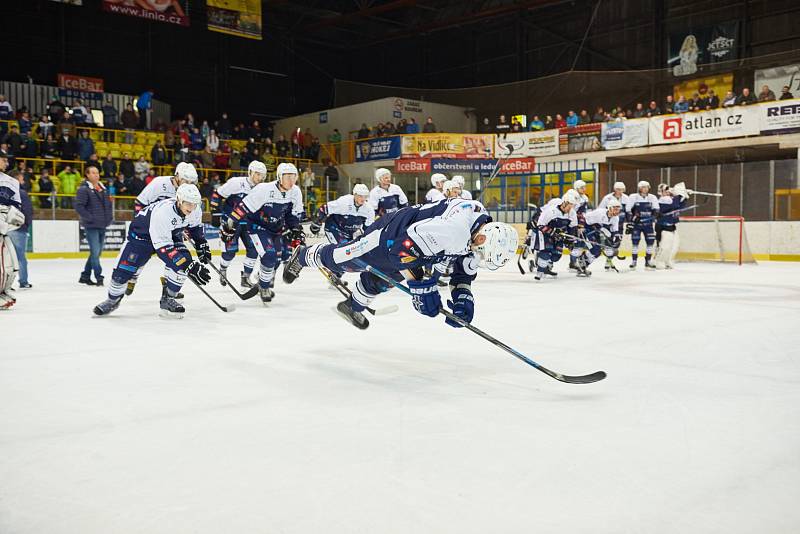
[(169, 11)]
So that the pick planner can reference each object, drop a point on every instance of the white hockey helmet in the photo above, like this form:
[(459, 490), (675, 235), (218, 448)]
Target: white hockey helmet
[(437, 178), (572, 197), (614, 203), (499, 246), (257, 166), (186, 172), (188, 193), (643, 183), (619, 186), (380, 173), (459, 180), (579, 184), (286, 168), (663, 188), (449, 185), (361, 190)]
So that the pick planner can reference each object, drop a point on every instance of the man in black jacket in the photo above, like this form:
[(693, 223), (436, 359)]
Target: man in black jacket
[(126, 166), (93, 205)]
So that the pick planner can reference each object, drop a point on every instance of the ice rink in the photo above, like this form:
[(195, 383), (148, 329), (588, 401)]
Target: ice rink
[(288, 420)]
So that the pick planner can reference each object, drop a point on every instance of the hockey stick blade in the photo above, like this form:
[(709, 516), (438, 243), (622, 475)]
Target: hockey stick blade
[(227, 309), (341, 288), (250, 293), (385, 310)]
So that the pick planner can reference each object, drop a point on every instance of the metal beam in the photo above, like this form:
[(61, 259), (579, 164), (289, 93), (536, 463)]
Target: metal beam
[(347, 17)]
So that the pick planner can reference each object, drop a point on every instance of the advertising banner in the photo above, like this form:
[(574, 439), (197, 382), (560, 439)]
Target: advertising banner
[(483, 166), (527, 144), (241, 18), (447, 145), (585, 138), (782, 116), (625, 134), (115, 237), (711, 44), (378, 148), (705, 125), (778, 77), (169, 11), (412, 165)]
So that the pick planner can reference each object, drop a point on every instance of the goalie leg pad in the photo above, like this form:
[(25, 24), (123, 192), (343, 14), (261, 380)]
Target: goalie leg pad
[(9, 265)]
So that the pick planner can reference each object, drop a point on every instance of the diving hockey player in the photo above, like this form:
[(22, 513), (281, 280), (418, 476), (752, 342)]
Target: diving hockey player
[(457, 232), (386, 197), (619, 194), (11, 218), (556, 221), (271, 212), (671, 200), (159, 229), (346, 217), (601, 230), (435, 194), (642, 210), (223, 201), (466, 195)]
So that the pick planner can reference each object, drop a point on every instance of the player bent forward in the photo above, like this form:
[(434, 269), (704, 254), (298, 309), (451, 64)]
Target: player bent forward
[(401, 244), (158, 229)]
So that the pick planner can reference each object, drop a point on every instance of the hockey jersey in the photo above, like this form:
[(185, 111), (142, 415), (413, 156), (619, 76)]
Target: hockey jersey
[(229, 194), (343, 217), (645, 207), (267, 207), (162, 224), (387, 200), (434, 195), (9, 191), (598, 218), (159, 189), (670, 206)]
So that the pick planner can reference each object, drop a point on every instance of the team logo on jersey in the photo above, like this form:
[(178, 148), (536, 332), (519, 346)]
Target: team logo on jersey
[(405, 258), (174, 221)]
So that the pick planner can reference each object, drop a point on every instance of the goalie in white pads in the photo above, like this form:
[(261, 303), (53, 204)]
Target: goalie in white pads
[(11, 218), (672, 200), (435, 194)]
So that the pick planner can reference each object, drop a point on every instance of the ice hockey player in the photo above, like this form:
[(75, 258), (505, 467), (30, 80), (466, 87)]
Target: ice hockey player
[(270, 210), (671, 200), (386, 197), (451, 189), (466, 195), (619, 194), (435, 194), (557, 221), (346, 217), (159, 229), (577, 248), (223, 201), (457, 232), (642, 210), (601, 231), (162, 187), (11, 218)]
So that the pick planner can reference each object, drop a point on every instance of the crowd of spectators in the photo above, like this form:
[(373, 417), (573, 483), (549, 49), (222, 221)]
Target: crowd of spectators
[(403, 126)]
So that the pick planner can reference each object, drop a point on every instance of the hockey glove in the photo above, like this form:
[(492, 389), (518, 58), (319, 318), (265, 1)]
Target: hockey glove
[(628, 228), (216, 220), (199, 273), (463, 306), (315, 228), (228, 230), (203, 252), (425, 296), (297, 234)]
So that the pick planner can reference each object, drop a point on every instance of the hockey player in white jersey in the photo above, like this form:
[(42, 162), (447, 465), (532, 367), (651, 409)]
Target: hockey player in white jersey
[(577, 248), (435, 194), (671, 201), (159, 229), (345, 218), (223, 202), (403, 244), (601, 227), (466, 195), (11, 218), (642, 210), (619, 194), (451, 189), (270, 211), (556, 221), (386, 197)]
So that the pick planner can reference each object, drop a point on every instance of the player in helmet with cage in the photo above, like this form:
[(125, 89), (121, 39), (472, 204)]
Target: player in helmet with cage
[(601, 234), (435, 194), (619, 195), (455, 232), (271, 211), (642, 209), (158, 228), (466, 195), (671, 200), (386, 197), (556, 221), (346, 218), (223, 201), (577, 248), (11, 218)]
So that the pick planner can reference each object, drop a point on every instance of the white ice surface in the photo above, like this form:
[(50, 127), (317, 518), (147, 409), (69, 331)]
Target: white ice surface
[(288, 420)]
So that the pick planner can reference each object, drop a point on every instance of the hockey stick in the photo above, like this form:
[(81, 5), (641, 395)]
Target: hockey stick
[(496, 170), (583, 379), (337, 283), (226, 309), (250, 293)]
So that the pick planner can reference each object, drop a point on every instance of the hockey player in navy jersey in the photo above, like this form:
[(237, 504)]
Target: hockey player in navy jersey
[(457, 233), (11, 218), (600, 231), (671, 200), (619, 194), (271, 211), (435, 194), (556, 221), (577, 248), (223, 202), (386, 197), (346, 217), (642, 210), (159, 229)]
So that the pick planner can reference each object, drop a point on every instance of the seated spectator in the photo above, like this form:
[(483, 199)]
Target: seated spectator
[(222, 157), (205, 129), (695, 103), (14, 141), (135, 185), (207, 157), (652, 109), (141, 168), (158, 154), (572, 119), (516, 127), (560, 122), (30, 146), (94, 159), (713, 100), (212, 141), (109, 167), (502, 125), (785, 93), (639, 112), (730, 100), (45, 186), (224, 127), (25, 124), (282, 146), (549, 124), (79, 112), (255, 131), (269, 148), (401, 127), (67, 146), (196, 141), (182, 151), (46, 127), (681, 106), (485, 127), (308, 140), (245, 158), (746, 98), (206, 188), (536, 124), (413, 127), (621, 116), (429, 127), (85, 145), (235, 160), (129, 120), (118, 186), (314, 151), (307, 180), (331, 174), (766, 94), (126, 166), (584, 117), (599, 115), (389, 129), (49, 148), (669, 105)]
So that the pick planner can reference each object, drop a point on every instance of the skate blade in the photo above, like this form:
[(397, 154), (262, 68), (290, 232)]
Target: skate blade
[(348, 320), (166, 314)]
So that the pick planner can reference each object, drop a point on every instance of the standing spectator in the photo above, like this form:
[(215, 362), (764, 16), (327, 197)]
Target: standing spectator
[(401, 127), (46, 127), (269, 148), (502, 126), (126, 166), (536, 124), (25, 124), (109, 167), (110, 119), (129, 121), (413, 127), (158, 155), (135, 186), (572, 119), (255, 131), (56, 110), (669, 105), (196, 140), (189, 121), (212, 141), (68, 185), (50, 148), (6, 113), (308, 140), (308, 179), (224, 127), (713, 100), (85, 146), (315, 149), (549, 124), (746, 98), (206, 188), (389, 129), (766, 94), (245, 158), (207, 157), (584, 117), (785, 93), (93, 205), (119, 187), (681, 106), (205, 129), (599, 115), (19, 237), (222, 157), (141, 168), (14, 142), (235, 161), (331, 174), (639, 112), (485, 126), (429, 127), (560, 122), (363, 132), (516, 127), (336, 140), (144, 104), (79, 112), (652, 109), (730, 100), (46, 186)]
